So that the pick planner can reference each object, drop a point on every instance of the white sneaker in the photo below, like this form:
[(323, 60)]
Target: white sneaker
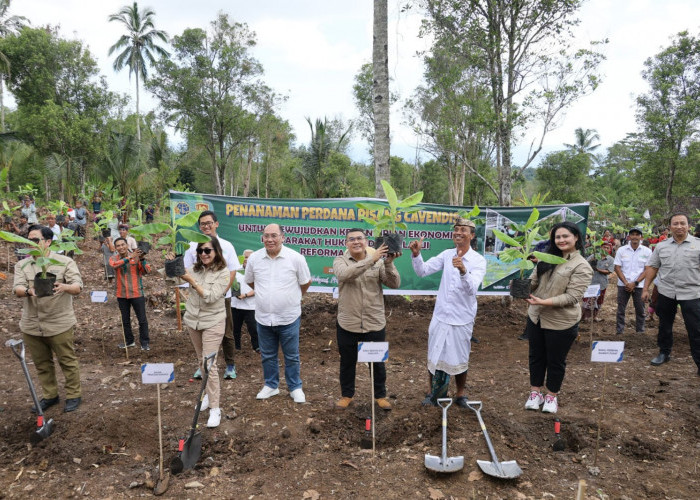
[(298, 396), (267, 392), (214, 417), (550, 404), (534, 401), (205, 403)]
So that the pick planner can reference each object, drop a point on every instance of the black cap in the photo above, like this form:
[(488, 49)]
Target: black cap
[(636, 229)]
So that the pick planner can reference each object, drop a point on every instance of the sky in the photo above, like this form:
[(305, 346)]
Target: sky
[(311, 51)]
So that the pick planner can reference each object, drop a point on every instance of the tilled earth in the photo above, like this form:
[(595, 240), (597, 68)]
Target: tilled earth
[(649, 416)]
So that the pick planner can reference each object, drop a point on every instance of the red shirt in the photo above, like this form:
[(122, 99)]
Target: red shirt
[(129, 272)]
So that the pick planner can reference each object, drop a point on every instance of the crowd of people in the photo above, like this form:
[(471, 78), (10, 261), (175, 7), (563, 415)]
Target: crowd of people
[(265, 293)]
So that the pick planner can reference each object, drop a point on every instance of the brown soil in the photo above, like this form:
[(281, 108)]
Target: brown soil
[(648, 448)]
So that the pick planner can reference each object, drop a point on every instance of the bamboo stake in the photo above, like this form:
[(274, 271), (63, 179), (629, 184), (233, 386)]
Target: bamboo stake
[(177, 309), (600, 414), (371, 371)]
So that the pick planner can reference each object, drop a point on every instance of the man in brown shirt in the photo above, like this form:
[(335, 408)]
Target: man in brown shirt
[(47, 323), (361, 272)]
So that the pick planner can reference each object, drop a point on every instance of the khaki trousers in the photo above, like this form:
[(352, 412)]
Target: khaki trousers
[(205, 342), (42, 350)]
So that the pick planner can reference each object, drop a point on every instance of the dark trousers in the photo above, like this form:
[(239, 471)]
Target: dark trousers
[(139, 305), (690, 309), (227, 343), (623, 297), (548, 351), (239, 317), (347, 347)]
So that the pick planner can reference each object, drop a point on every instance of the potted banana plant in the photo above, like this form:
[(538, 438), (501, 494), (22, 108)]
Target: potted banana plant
[(44, 280), (143, 238), (101, 225), (384, 222), (520, 250), (180, 227)]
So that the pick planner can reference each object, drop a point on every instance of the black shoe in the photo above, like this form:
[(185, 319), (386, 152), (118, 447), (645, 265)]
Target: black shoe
[(72, 404), (46, 404), (462, 402), (661, 359), (475, 340), (145, 347), (123, 346), (523, 336), (428, 401)]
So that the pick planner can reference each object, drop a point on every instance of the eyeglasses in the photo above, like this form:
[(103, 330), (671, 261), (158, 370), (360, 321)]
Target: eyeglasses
[(205, 250), (35, 240), (206, 224), (273, 236), (355, 238)]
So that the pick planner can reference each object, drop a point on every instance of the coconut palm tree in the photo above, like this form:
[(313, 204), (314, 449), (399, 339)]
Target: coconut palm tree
[(584, 142), (8, 26), (137, 46)]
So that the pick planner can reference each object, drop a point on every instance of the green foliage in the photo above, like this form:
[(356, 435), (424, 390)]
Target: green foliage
[(520, 245), (179, 227), (386, 220), (566, 174), (42, 253)]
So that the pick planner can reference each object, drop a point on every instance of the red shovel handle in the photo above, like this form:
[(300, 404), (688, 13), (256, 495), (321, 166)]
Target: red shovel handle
[(181, 445), (40, 421), (368, 424), (557, 426)]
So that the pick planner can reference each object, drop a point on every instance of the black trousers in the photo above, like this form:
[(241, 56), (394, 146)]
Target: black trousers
[(666, 308), (548, 351), (248, 316), (347, 347), (139, 305)]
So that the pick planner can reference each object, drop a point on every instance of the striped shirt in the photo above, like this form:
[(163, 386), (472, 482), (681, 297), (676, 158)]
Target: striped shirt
[(129, 272)]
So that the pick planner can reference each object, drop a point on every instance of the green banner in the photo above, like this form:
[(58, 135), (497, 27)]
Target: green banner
[(316, 228)]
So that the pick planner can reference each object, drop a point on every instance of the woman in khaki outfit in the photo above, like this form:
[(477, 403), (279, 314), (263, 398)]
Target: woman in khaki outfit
[(554, 314), (206, 315)]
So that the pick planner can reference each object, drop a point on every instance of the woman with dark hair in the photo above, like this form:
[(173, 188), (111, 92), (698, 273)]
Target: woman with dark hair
[(554, 314), (206, 315)]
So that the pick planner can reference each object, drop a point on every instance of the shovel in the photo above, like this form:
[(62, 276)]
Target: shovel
[(503, 470), (559, 444), (190, 449), (444, 463), (44, 428)]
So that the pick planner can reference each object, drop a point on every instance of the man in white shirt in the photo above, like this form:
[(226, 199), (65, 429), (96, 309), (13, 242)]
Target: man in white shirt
[(629, 267), (279, 276), (243, 310), (208, 224), (450, 331), (55, 228)]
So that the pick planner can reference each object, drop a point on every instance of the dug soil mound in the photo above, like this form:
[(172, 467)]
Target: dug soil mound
[(649, 416)]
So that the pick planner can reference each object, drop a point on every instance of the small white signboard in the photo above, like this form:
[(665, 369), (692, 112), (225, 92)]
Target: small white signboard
[(372, 352), (157, 373), (98, 296), (335, 292), (607, 352), (592, 291)]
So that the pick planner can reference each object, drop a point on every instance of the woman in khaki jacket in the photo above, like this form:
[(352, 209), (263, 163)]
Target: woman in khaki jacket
[(554, 314), (206, 315)]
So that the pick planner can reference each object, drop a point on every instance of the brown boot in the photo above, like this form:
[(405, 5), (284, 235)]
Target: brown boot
[(343, 403), (383, 403)]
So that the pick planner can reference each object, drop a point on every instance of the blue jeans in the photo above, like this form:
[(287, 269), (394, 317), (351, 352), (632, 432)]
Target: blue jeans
[(269, 339)]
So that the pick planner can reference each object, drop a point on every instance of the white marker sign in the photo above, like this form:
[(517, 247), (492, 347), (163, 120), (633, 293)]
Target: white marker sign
[(607, 352), (157, 373), (97, 296), (591, 291), (372, 352)]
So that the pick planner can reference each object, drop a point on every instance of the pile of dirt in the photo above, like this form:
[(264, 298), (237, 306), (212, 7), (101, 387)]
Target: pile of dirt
[(649, 416)]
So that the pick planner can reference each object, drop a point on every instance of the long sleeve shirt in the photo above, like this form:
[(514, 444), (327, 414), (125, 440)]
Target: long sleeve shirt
[(360, 293), (456, 298), (210, 309), (129, 272)]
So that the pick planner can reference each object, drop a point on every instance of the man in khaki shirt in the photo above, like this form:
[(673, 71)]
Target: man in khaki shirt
[(361, 272), (47, 323), (676, 261)]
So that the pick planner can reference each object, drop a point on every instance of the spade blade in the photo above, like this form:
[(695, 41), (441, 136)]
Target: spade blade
[(192, 451)]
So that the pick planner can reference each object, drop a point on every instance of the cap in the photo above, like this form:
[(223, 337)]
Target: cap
[(636, 229), (463, 221), (123, 226)]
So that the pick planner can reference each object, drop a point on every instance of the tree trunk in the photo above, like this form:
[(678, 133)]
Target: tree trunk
[(2, 103), (380, 91), (138, 119), (249, 168)]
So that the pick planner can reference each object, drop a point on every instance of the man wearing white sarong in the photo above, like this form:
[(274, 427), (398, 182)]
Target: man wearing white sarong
[(450, 331)]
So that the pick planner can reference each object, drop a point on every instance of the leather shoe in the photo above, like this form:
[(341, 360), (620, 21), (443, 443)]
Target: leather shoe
[(46, 404), (72, 404), (661, 359)]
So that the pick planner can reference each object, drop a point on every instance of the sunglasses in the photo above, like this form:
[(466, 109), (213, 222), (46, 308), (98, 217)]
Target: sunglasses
[(205, 250), (35, 240)]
